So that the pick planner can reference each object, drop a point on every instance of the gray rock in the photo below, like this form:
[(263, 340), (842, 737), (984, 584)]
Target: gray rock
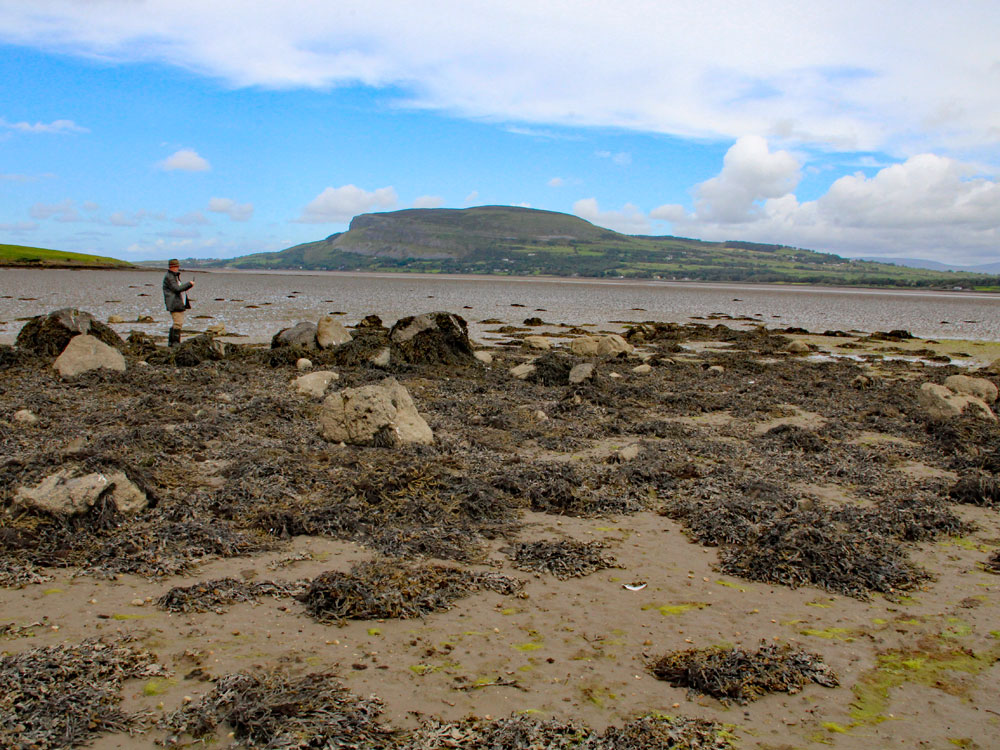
[(581, 372), (600, 345), (84, 353), (642, 369), (302, 335), (303, 364), (943, 403), (315, 383), (65, 494), (981, 388), (373, 414), (523, 371), (330, 332), (798, 347), (483, 356), (542, 343)]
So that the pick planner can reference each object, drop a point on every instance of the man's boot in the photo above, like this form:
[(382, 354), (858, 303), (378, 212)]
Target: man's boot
[(174, 337)]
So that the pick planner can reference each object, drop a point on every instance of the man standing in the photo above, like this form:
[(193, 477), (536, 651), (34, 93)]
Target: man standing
[(175, 299)]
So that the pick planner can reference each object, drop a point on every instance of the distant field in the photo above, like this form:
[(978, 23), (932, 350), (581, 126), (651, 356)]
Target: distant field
[(23, 255)]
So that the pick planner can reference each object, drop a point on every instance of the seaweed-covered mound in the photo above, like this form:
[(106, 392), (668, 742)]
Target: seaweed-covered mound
[(47, 335), (561, 488), (564, 559), (383, 589), (977, 488), (735, 674), (992, 563), (62, 696), (272, 710), (654, 732), (213, 596), (436, 338)]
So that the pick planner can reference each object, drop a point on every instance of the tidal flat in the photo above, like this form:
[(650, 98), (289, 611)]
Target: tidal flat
[(712, 536)]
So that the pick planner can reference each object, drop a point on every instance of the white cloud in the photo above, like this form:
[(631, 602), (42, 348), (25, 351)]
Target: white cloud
[(750, 173), (63, 211), (19, 226), (235, 211), (428, 201), (622, 158), (90, 206), (340, 205), (556, 182), (192, 218), (181, 234), (668, 212), (25, 177), (928, 206), (905, 80), (56, 126), (185, 160), (629, 220), (471, 198)]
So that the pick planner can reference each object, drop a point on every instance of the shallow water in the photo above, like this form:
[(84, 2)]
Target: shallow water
[(284, 298)]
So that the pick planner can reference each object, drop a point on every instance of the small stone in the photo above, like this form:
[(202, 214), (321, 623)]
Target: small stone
[(716, 369), (138, 602), (581, 372), (25, 416), (522, 372), (542, 343), (382, 358), (303, 364), (483, 356), (642, 369), (798, 347), (629, 452), (115, 319)]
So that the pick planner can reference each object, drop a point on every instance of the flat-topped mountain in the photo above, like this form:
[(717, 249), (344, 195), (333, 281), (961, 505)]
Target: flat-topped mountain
[(523, 241)]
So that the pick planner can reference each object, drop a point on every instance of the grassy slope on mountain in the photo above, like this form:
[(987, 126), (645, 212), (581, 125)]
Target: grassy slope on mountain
[(519, 241), (38, 257)]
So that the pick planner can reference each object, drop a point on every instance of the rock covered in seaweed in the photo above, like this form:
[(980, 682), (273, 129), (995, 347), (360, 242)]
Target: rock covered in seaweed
[(48, 335), (302, 335), (382, 414), (432, 338)]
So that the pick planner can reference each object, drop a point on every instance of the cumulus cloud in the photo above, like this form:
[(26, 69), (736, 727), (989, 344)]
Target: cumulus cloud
[(750, 173), (63, 211), (340, 205), (185, 160), (904, 82), (930, 205), (428, 201), (56, 126), (628, 220), (232, 209)]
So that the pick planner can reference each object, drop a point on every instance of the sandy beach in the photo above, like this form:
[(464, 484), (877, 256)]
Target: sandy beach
[(702, 487)]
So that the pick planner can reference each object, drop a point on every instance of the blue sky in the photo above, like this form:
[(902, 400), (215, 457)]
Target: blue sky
[(147, 129)]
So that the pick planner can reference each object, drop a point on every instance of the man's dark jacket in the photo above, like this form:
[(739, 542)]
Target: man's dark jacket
[(172, 291)]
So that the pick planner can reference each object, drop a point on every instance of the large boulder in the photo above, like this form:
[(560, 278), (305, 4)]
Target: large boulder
[(330, 332), (981, 388), (538, 342), (382, 414), (302, 335), (67, 493), (84, 353), (48, 335), (432, 338), (943, 403), (602, 345)]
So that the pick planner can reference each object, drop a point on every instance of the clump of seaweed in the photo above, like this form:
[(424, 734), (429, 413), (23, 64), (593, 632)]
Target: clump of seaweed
[(811, 547), (17, 575), (651, 732), (560, 488), (61, 696), (383, 589), (564, 559), (992, 563), (735, 674), (793, 436), (716, 518), (977, 488), (552, 369), (273, 710), (213, 596)]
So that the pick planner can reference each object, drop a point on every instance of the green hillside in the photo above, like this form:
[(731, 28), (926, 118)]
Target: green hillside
[(521, 241), (22, 256)]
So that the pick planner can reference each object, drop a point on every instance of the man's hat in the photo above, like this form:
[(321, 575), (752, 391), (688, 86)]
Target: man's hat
[(173, 262)]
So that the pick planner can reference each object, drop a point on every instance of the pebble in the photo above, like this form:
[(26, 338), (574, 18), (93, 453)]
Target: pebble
[(26, 416), (303, 364)]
